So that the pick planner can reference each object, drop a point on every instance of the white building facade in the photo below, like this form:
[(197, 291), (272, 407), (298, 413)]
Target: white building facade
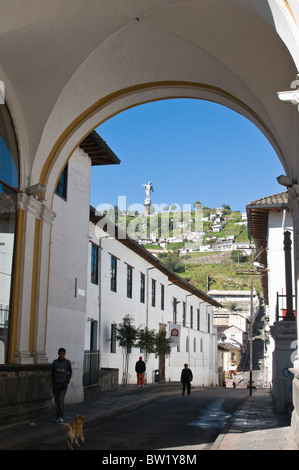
[(132, 283), (97, 278), (269, 219)]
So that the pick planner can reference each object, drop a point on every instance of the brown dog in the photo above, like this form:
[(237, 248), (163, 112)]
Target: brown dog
[(74, 431)]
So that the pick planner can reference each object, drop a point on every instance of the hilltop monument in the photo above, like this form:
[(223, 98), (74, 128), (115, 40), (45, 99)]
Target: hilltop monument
[(147, 203)]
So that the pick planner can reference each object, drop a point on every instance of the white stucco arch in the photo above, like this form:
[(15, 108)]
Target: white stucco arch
[(149, 93), (68, 65), (233, 47)]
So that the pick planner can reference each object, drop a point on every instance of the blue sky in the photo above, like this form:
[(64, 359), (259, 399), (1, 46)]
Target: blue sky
[(190, 150)]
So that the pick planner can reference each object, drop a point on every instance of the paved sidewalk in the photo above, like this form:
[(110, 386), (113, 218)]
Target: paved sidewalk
[(255, 426), (22, 436)]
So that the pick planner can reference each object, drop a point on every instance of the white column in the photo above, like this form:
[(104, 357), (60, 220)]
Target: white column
[(33, 309), (284, 334), (41, 307), (31, 208), (294, 206)]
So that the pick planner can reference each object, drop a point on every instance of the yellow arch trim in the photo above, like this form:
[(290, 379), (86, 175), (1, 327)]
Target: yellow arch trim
[(129, 91), (34, 286), (51, 157), (16, 286), (289, 8)]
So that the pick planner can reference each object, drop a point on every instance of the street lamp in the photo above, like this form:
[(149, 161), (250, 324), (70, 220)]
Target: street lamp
[(35, 189), (252, 272), (291, 96)]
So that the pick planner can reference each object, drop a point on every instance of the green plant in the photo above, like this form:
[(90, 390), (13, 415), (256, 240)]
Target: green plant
[(239, 256), (146, 340), (171, 260), (162, 343), (126, 335)]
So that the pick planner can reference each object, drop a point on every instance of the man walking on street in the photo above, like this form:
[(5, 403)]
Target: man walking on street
[(186, 379), (61, 376), (140, 369)]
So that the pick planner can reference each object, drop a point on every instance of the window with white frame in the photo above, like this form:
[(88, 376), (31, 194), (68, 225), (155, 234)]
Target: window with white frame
[(153, 292), (113, 338), (162, 296), (113, 274), (94, 263), (142, 288), (174, 310), (129, 281), (198, 319)]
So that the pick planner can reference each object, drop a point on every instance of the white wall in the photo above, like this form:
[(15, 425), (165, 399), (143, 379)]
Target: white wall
[(70, 311), (68, 266), (276, 266), (276, 257), (197, 348), (116, 305)]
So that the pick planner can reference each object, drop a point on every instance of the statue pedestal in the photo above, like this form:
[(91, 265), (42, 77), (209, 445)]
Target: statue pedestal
[(147, 208)]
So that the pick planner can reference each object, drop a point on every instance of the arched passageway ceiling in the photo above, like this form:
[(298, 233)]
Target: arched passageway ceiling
[(136, 96), (61, 60)]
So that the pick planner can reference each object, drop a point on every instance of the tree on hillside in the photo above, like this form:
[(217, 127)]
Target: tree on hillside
[(239, 256), (171, 260)]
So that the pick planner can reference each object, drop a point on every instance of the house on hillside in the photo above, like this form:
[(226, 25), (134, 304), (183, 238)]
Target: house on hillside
[(217, 227), (229, 356), (241, 299), (234, 335)]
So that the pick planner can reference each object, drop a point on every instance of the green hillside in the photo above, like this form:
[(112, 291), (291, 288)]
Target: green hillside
[(214, 270), (204, 270), (224, 275)]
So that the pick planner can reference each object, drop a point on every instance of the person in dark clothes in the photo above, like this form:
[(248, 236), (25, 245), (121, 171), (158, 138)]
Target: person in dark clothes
[(186, 379), (140, 369), (61, 376)]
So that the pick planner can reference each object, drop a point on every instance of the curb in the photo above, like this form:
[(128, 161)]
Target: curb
[(230, 437)]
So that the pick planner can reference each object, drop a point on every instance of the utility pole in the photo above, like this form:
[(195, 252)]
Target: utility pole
[(252, 272), (251, 321)]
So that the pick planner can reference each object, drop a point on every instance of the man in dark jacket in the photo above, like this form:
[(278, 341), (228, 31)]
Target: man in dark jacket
[(61, 376), (140, 369), (186, 379)]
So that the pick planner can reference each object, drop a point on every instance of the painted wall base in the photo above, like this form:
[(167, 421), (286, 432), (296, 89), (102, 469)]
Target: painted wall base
[(25, 393), (295, 413), (108, 380)]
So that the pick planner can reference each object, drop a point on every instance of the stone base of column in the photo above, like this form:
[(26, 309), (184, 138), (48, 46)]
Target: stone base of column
[(40, 357), (23, 358)]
